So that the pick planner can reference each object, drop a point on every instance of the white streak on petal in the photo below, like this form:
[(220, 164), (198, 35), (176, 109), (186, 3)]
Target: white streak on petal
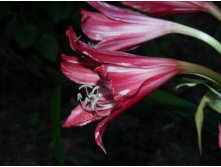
[(125, 64), (85, 53), (97, 36), (85, 123), (117, 69), (124, 92), (97, 134), (75, 113)]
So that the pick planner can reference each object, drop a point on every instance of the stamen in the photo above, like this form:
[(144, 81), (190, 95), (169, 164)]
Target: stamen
[(86, 100), (93, 104), (86, 88), (96, 88), (91, 101), (79, 96)]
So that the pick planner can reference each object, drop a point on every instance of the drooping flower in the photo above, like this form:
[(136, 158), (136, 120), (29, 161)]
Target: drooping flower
[(113, 81), (123, 29), (164, 8)]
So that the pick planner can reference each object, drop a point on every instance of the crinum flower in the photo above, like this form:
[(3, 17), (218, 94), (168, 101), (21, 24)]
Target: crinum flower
[(113, 81)]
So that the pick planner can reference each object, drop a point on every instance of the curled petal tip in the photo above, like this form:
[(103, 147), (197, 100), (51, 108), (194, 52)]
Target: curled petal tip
[(98, 139), (102, 147)]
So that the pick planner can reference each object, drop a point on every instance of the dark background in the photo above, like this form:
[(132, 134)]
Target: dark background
[(149, 133)]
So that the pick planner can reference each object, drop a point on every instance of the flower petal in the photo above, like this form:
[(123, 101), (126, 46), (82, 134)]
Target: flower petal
[(129, 41), (124, 81), (120, 14), (163, 8), (80, 117), (99, 27), (145, 89), (114, 57), (118, 34), (79, 70)]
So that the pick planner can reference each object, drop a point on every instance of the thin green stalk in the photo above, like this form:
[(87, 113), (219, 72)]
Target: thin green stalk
[(191, 68), (182, 29), (55, 120)]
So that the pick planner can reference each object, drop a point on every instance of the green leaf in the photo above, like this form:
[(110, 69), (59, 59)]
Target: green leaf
[(183, 108), (215, 90), (199, 120), (47, 46), (23, 34), (215, 104), (194, 82), (186, 84), (191, 82)]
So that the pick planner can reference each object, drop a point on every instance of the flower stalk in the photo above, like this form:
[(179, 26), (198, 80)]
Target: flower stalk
[(55, 107), (182, 29), (191, 68)]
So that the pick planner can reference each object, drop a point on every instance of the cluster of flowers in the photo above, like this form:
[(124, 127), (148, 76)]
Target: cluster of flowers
[(112, 79)]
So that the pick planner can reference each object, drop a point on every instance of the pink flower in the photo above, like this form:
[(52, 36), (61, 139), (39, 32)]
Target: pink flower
[(219, 136), (121, 29), (113, 81), (163, 8)]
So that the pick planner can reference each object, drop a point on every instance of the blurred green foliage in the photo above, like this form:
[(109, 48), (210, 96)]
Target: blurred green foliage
[(23, 34), (39, 26)]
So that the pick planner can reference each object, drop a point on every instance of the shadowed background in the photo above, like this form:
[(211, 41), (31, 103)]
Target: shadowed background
[(159, 130)]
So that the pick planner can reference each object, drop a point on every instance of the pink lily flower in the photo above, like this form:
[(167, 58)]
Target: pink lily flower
[(123, 29), (113, 81), (164, 8)]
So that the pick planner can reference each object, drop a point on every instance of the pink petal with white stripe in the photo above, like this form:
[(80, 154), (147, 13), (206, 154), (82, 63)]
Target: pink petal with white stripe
[(124, 81), (79, 70), (119, 32), (164, 8), (145, 89), (80, 117), (120, 14), (115, 57)]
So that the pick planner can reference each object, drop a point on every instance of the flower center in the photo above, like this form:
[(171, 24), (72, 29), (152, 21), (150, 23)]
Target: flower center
[(96, 99)]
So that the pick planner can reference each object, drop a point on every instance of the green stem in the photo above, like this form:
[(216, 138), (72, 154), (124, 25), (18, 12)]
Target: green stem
[(190, 68), (182, 29), (55, 120)]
